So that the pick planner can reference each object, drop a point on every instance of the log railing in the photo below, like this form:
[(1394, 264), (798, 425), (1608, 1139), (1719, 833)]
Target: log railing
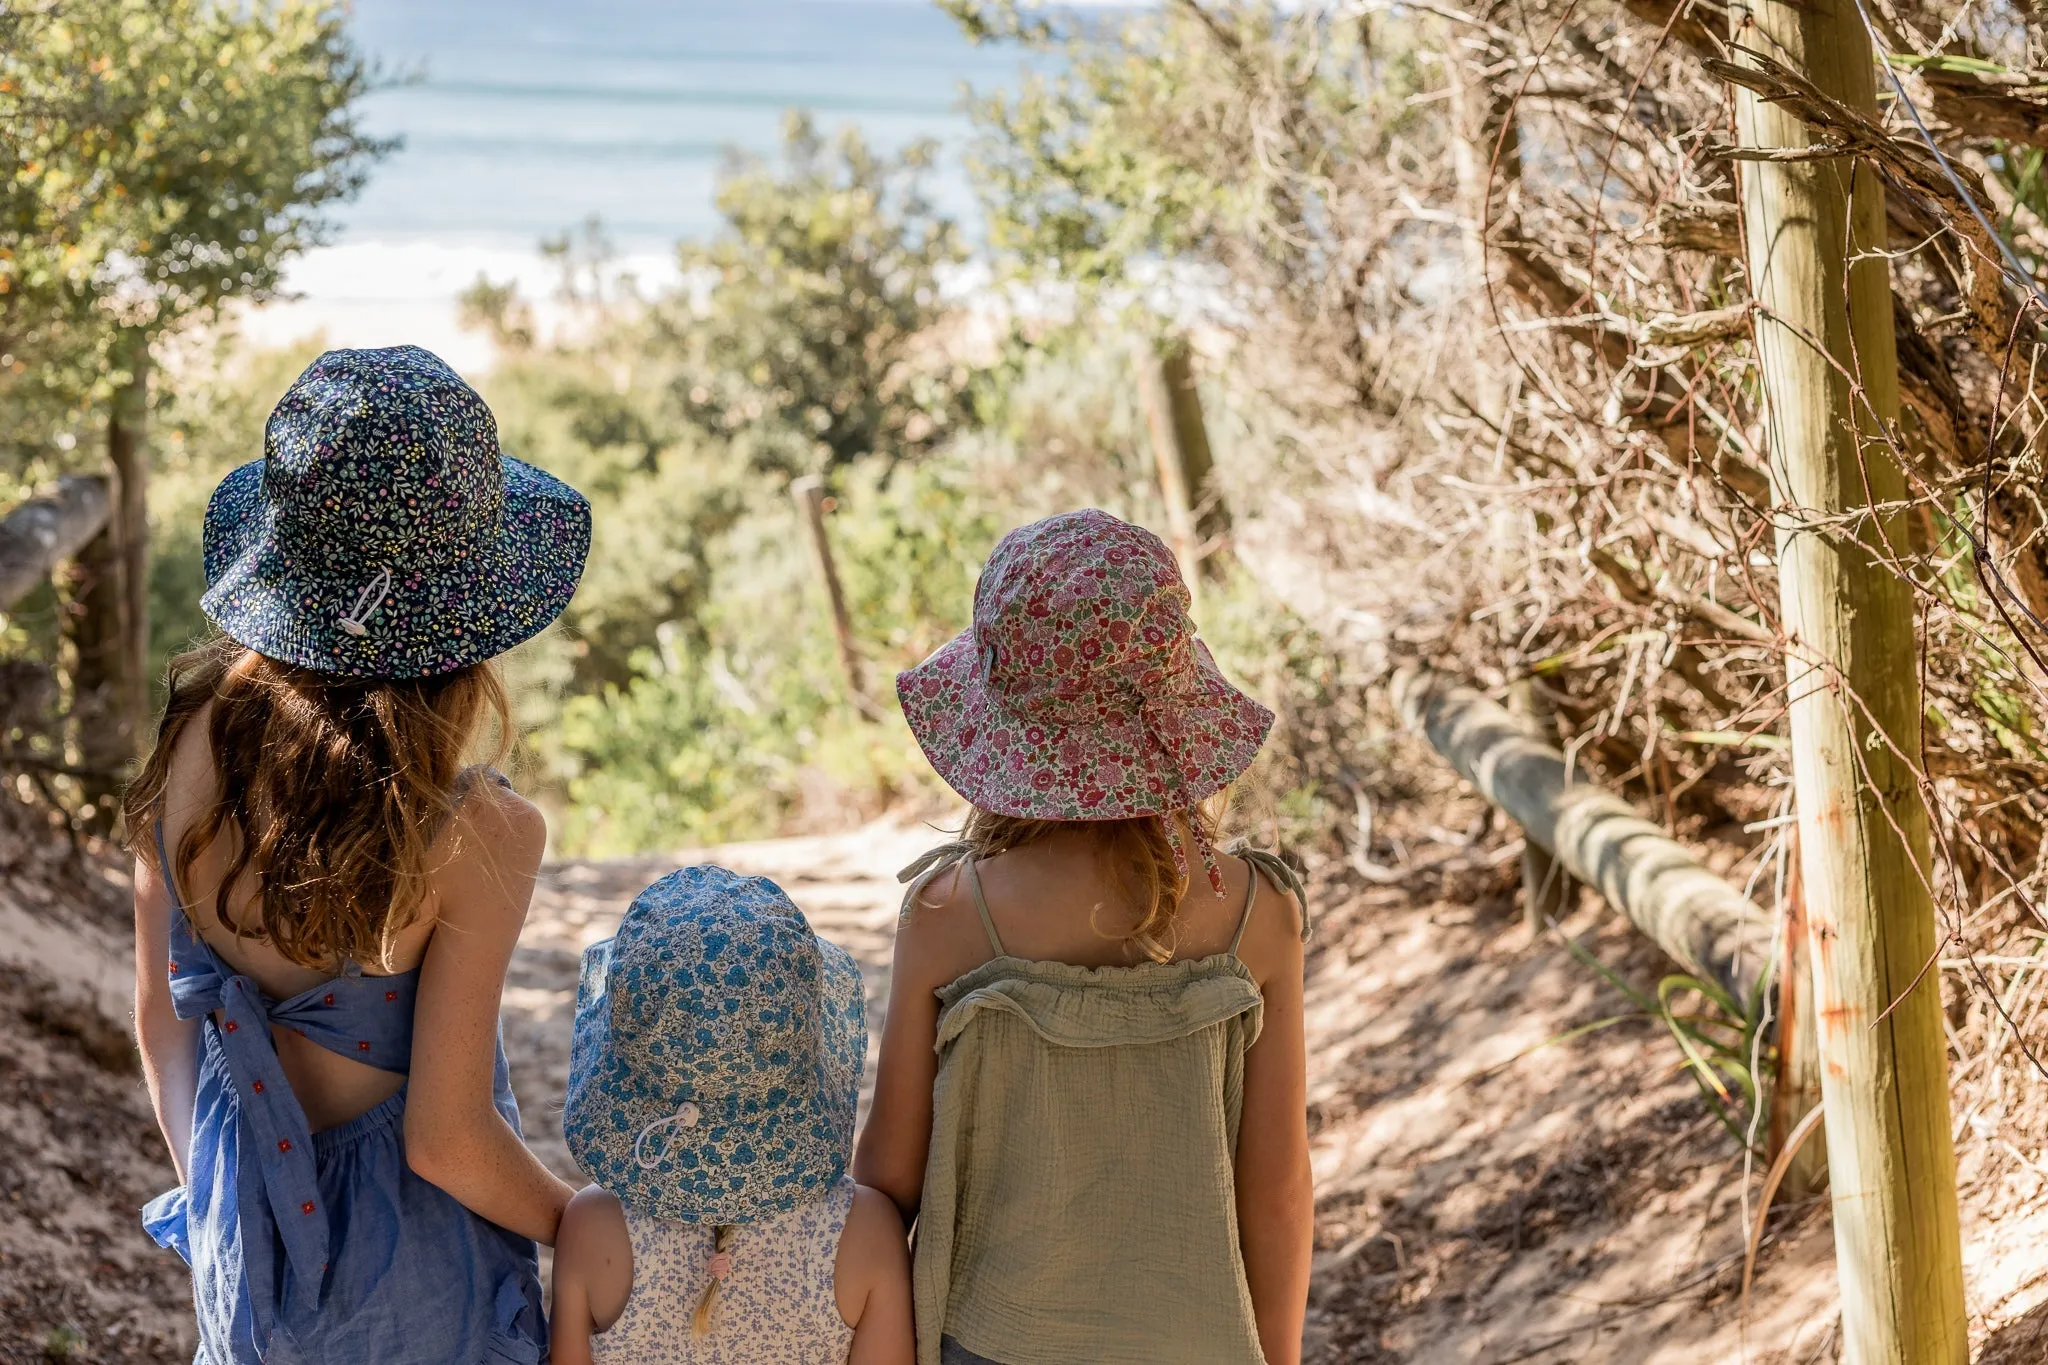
[(45, 531), (1701, 922)]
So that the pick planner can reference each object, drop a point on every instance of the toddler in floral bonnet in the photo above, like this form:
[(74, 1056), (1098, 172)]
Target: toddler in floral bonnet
[(714, 1076)]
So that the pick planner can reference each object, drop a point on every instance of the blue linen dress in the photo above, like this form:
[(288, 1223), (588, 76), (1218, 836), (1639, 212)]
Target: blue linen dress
[(324, 1248)]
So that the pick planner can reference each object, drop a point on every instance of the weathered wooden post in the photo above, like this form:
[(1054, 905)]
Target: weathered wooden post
[(95, 633), (1795, 1088), (1180, 445), (128, 451), (1816, 238), (108, 621), (809, 493)]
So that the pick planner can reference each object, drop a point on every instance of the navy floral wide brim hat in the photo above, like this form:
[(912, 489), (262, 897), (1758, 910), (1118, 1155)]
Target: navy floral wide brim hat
[(714, 1070), (384, 534)]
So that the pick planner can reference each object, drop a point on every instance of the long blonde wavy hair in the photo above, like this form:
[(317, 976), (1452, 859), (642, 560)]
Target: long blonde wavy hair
[(1138, 850), (332, 791)]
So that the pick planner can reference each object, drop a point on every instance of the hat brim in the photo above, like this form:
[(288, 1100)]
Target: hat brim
[(1114, 768), (459, 610), (798, 1150)]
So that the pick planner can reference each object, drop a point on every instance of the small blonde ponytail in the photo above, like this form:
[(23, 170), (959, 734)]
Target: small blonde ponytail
[(721, 1238)]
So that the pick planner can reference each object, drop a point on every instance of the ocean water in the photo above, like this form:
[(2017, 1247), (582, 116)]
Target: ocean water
[(523, 118)]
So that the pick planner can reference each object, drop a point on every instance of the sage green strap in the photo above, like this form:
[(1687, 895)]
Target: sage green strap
[(1282, 875), (988, 921), (1244, 917), (920, 874)]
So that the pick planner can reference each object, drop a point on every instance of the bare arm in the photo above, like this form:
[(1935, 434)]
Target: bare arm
[(593, 1274), (871, 1276), (898, 1135), (169, 1045), (454, 1137), (1275, 1193)]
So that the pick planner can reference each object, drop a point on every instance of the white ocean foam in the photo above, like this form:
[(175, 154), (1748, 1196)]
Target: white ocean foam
[(392, 293)]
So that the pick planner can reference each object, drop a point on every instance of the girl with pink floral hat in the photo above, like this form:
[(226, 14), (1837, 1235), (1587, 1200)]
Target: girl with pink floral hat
[(1092, 1093)]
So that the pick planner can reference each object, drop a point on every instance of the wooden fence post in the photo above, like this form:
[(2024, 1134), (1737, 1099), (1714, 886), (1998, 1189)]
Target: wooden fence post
[(108, 622), (1180, 446), (1795, 1090), (128, 450), (96, 635), (809, 493), (1817, 267)]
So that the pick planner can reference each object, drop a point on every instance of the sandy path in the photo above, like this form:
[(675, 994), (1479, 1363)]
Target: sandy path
[(1577, 1204), (1481, 1200)]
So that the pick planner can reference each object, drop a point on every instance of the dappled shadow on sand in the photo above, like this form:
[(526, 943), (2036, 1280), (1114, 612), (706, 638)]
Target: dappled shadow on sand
[(2023, 1341), (1491, 1191)]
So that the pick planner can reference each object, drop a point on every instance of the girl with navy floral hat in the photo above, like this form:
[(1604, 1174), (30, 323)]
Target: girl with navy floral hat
[(1092, 1091), (327, 898), (713, 1082)]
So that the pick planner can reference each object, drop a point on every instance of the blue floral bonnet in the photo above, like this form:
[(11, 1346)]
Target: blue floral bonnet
[(715, 1067)]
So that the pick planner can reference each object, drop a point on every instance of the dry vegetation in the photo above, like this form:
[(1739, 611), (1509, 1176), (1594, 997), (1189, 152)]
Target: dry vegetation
[(1489, 337)]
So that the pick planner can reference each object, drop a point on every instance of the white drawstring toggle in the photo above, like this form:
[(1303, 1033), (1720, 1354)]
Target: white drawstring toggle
[(647, 1153), (367, 601)]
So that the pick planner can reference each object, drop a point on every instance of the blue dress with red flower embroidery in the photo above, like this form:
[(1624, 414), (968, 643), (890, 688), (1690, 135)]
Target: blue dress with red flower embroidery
[(323, 1248)]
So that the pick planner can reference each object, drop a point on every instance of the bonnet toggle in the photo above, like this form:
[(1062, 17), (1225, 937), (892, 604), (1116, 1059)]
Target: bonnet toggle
[(651, 1144), (355, 620)]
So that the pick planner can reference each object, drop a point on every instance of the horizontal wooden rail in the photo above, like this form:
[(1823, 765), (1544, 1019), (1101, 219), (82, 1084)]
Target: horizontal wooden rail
[(1705, 925), (45, 531)]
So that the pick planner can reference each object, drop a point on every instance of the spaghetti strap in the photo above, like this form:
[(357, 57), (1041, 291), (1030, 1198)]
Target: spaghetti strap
[(1284, 878), (1251, 898), (920, 874), (981, 904)]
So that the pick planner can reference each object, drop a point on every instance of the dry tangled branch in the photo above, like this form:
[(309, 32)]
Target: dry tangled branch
[(1542, 452)]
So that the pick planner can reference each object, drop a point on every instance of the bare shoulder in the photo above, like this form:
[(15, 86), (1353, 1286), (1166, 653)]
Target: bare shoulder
[(494, 829), (873, 1250), (594, 1222), (191, 784), (940, 935), (486, 859), (941, 897), (1272, 944), (594, 1251), (490, 818), (873, 1223)]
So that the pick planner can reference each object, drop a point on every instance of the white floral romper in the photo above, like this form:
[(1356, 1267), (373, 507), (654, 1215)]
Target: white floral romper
[(778, 1306)]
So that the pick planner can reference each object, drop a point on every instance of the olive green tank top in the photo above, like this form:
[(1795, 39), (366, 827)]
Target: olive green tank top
[(1080, 1203)]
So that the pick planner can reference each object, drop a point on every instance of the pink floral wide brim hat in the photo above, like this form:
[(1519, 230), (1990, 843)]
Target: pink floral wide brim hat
[(1080, 692)]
